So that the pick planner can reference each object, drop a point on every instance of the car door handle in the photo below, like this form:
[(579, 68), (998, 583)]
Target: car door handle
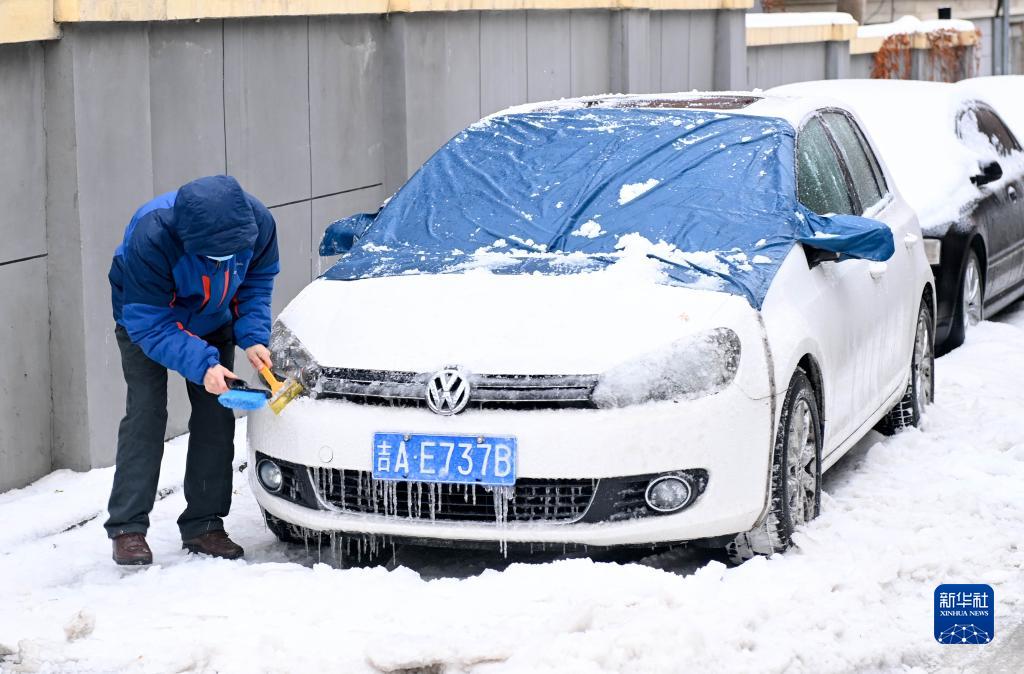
[(1011, 192), (910, 240), (877, 269)]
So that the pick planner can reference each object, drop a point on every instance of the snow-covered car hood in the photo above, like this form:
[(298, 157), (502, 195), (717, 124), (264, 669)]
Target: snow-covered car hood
[(501, 324)]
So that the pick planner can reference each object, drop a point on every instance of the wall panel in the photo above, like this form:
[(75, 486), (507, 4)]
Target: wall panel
[(22, 153), (266, 94)]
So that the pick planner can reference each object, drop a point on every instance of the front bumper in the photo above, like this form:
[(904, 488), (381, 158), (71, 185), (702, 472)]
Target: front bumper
[(727, 435)]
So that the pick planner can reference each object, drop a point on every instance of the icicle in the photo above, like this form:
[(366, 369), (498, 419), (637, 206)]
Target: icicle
[(502, 498)]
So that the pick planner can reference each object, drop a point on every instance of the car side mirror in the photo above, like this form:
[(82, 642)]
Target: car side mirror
[(842, 237), (816, 256), (342, 235), (990, 172)]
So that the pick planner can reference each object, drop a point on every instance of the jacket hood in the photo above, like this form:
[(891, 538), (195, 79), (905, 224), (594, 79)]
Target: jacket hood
[(213, 217)]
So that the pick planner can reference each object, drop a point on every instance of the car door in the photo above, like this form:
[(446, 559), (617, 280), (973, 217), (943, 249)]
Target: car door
[(892, 278), (1001, 208), (848, 297)]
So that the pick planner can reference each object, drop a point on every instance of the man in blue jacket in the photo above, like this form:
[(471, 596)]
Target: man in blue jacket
[(192, 278)]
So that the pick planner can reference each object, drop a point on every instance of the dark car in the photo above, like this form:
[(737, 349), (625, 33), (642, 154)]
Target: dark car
[(961, 167), (979, 262)]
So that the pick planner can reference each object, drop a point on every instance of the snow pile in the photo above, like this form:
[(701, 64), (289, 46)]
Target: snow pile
[(589, 229), (786, 19), (631, 191), (900, 516), (910, 25)]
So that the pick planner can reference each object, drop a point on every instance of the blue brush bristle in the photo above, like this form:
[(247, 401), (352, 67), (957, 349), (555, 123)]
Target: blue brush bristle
[(242, 400)]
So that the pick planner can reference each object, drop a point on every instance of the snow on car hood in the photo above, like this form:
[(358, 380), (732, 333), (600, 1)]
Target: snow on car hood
[(502, 324)]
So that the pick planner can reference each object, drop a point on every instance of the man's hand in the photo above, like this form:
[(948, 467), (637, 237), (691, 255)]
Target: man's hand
[(216, 378), (259, 356)]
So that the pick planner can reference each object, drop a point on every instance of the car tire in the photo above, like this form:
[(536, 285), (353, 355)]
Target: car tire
[(921, 389), (970, 305), (796, 476)]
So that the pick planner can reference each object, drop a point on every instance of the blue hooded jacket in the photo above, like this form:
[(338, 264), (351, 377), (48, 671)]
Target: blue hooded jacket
[(167, 293)]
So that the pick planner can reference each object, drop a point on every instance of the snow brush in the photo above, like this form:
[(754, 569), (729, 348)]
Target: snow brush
[(282, 393), (242, 397)]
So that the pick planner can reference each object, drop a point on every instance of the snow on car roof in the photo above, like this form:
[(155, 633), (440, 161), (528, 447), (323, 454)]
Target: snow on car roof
[(913, 126), (756, 103), (1005, 93)]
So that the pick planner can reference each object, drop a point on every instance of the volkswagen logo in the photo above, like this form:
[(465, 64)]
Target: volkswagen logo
[(448, 391)]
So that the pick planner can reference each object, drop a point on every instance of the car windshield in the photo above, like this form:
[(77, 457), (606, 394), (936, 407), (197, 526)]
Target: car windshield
[(562, 191)]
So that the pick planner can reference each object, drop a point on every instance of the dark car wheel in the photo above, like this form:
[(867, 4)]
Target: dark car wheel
[(921, 389), (796, 476), (970, 306)]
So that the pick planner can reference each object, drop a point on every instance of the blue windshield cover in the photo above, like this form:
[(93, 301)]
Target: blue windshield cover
[(720, 189)]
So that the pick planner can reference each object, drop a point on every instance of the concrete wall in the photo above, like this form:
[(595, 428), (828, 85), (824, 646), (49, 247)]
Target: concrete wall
[(775, 65), (24, 316), (319, 117), (291, 106)]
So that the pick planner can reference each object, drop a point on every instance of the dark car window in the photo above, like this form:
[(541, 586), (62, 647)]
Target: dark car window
[(978, 117), (821, 183), (860, 160)]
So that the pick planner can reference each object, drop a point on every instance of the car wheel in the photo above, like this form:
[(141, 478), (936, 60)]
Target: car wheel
[(921, 390), (970, 308), (796, 476)]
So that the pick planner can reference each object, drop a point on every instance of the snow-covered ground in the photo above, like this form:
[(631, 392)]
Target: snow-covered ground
[(941, 505)]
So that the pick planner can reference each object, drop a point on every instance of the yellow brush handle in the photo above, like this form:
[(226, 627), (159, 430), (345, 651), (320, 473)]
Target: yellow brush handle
[(271, 380)]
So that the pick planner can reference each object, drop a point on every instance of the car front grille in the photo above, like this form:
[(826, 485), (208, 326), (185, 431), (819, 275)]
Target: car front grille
[(488, 391), (608, 499), (529, 500), (627, 500)]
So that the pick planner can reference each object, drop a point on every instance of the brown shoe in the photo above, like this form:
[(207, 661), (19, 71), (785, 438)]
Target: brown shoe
[(215, 544), (132, 550)]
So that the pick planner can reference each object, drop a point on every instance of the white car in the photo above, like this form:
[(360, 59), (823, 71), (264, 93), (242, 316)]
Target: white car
[(955, 154), (604, 322)]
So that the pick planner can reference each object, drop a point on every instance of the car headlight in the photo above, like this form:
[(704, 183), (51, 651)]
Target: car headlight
[(291, 359), (688, 368)]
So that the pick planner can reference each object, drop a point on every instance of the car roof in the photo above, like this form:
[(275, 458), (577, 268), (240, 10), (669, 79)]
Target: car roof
[(754, 103)]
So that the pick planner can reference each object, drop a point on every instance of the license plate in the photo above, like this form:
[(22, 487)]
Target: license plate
[(464, 459)]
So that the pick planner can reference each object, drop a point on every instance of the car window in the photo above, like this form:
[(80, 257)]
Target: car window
[(981, 119), (860, 160), (821, 182)]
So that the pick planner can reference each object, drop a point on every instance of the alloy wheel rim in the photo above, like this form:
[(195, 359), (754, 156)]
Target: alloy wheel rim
[(801, 459), (925, 362), (972, 301)]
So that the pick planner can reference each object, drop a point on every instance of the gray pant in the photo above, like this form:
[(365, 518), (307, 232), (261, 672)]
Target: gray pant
[(140, 445)]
